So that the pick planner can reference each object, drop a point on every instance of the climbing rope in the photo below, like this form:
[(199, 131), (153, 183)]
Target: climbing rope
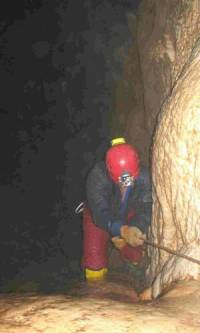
[(196, 261), (80, 208)]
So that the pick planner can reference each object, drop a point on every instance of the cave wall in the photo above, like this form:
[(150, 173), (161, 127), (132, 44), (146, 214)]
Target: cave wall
[(176, 152), (176, 182), (163, 36), (127, 102), (159, 113), (166, 35)]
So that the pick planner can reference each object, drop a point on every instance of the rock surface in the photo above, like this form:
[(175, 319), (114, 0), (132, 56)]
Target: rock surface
[(90, 312), (159, 98), (176, 173), (164, 35)]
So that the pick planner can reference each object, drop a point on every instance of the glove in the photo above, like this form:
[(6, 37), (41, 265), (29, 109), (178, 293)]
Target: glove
[(118, 242), (132, 235)]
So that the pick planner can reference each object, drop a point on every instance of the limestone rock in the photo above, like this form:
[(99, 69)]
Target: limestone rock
[(176, 179), (167, 33)]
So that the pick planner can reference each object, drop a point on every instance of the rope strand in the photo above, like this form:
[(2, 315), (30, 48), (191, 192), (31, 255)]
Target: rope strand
[(196, 261)]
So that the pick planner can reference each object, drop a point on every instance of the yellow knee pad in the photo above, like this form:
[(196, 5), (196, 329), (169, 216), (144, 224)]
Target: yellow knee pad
[(92, 275)]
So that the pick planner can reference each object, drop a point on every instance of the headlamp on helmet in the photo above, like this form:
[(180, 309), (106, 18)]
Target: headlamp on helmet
[(126, 179)]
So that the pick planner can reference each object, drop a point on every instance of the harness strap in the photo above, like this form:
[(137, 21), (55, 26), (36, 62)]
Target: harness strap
[(124, 203)]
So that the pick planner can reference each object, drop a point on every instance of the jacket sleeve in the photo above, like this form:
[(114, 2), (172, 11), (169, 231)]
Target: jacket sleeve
[(98, 194), (143, 205)]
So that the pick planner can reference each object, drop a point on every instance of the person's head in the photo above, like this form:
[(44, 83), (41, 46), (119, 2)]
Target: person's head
[(122, 162)]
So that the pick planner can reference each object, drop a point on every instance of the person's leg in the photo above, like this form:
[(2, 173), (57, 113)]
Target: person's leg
[(95, 249)]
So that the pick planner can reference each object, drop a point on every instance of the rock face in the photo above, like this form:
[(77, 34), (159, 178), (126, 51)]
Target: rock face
[(170, 60), (128, 99), (161, 103), (166, 35), (176, 174)]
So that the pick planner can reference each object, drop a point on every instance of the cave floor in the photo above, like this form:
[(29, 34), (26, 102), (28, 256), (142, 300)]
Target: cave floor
[(108, 306)]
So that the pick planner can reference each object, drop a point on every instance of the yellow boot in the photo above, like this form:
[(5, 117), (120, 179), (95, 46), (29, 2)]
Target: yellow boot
[(92, 275)]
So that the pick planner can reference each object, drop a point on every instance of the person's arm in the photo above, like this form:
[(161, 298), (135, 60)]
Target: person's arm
[(135, 233), (98, 193)]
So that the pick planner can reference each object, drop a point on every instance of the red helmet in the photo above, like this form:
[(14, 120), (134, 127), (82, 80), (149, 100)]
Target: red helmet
[(120, 158)]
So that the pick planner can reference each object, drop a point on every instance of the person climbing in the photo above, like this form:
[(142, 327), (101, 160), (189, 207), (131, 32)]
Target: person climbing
[(117, 207)]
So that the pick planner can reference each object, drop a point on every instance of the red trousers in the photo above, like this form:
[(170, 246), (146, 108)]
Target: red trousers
[(95, 245)]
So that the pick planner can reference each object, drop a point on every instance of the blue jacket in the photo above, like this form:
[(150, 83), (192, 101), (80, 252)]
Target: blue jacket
[(104, 199)]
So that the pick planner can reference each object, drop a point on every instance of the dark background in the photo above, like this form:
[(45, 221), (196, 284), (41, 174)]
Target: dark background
[(57, 68)]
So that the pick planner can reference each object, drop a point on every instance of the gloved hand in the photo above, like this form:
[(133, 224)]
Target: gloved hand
[(118, 242), (132, 235)]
